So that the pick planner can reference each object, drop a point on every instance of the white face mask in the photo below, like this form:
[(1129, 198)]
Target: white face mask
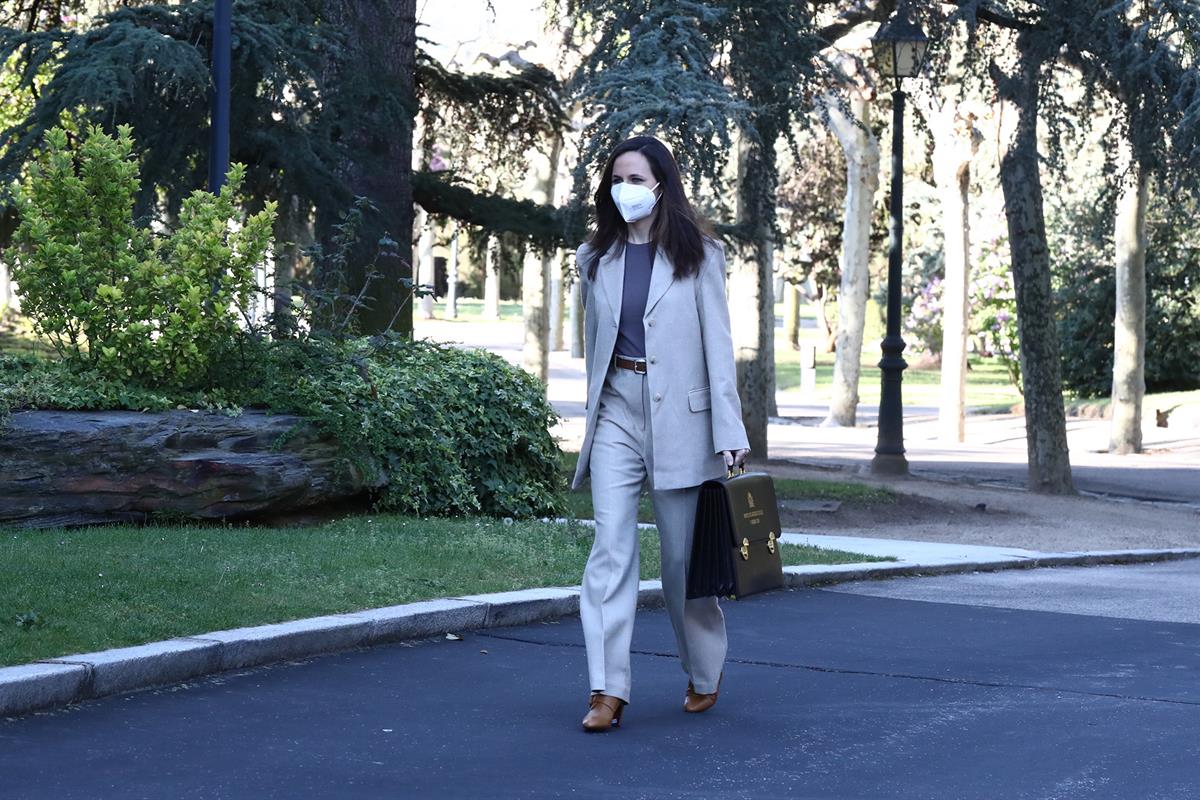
[(634, 201)]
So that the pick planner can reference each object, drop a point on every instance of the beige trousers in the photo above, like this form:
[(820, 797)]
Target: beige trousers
[(621, 460)]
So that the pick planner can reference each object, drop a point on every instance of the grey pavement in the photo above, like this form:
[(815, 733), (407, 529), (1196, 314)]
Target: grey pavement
[(1165, 592), (974, 690)]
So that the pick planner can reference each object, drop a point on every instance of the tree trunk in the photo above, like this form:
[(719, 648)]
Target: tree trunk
[(452, 276), (862, 179), (1129, 329), (575, 321), (955, 145), (791, 314), (288, 233), (1045, 415), (535, 280), (751, 307), (426, 274), (491, 280), (372, 101), (820, 300), (556, 302), (535, 287)]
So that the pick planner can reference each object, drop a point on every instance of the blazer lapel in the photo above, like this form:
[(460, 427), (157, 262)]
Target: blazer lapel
[(662, 275), (610, 277)]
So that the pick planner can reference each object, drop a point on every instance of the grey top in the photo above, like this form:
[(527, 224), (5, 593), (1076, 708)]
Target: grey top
[(631, 336)]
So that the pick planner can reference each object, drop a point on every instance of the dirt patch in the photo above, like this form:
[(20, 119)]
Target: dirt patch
[(943, 511), (905, 511)]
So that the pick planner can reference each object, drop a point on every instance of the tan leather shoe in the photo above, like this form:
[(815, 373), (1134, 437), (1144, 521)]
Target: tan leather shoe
[(694, 703), (604, 712)]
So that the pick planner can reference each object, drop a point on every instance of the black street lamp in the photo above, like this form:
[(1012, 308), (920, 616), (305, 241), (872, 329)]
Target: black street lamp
[(899, 47), (222, 55)]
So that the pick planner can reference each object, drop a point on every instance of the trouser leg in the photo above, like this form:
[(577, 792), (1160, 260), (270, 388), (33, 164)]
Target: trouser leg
[(699, 624), (608, 600)]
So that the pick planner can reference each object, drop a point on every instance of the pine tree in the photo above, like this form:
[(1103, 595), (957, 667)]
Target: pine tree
[(323, 109)]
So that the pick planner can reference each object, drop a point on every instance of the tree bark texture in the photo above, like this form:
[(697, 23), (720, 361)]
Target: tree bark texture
[(575, 319), (452, 277), (535, 289), (535, 280), (862, 180), (955, 144), (791, 314), (556, 301), (1045, 415), (426, 275), (491, 280), (83, 468), (751, 305), (1129, 328), (370, 94)]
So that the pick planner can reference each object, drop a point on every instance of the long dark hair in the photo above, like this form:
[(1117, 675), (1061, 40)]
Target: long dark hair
[(676, 230)]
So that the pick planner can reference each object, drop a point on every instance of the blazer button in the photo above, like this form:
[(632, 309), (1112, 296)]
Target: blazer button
[(653, 359), (657, 397), (651, 323)]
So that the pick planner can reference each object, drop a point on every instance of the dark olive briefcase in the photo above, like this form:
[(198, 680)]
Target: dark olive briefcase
[(735, 543)]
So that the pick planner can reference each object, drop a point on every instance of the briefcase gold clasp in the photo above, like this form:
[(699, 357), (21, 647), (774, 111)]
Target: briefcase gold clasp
[(733, 471), (771, 542), (745, 549)]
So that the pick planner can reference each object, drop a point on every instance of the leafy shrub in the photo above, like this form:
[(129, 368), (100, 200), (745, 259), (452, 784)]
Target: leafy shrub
[(110, 295), (455, 431), (1081, 241), (993, 301), (146, 323)]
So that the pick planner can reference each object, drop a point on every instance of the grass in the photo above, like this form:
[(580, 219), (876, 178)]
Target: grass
[(579, 502), (989, 387), (470, 309), (80, 590)]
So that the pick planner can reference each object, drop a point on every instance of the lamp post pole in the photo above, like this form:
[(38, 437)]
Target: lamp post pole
[(222, 56), (889, 449), (899, 47)]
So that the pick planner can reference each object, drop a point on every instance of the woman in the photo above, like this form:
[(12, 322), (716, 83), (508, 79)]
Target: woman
[(662, 407)]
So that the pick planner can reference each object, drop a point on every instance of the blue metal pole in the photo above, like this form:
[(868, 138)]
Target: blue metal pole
[(222, 56)]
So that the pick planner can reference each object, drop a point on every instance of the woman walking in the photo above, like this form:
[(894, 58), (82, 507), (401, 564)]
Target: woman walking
[(662, 408)]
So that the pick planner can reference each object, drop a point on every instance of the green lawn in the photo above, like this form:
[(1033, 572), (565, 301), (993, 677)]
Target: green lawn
[(988, 385), (470, 309), (70, 591)]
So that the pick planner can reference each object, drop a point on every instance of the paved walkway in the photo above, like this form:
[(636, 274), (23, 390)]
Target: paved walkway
[(981, 688), (995, 450)]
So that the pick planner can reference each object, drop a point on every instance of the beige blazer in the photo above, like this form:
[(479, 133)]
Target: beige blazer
[(695, 411)]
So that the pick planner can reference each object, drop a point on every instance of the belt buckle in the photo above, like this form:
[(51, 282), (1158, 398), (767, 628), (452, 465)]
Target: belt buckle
[(639, 367)]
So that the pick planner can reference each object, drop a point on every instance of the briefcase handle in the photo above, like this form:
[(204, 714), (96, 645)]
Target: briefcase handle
[(740, 469)]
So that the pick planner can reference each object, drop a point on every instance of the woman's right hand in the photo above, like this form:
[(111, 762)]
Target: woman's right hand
[(734, 458)]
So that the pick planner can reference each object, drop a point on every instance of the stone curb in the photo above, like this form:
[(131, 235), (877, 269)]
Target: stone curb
[(70, 679)]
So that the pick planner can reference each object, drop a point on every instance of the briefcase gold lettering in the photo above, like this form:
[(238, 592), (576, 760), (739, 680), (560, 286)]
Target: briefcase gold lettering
[(735, 539)]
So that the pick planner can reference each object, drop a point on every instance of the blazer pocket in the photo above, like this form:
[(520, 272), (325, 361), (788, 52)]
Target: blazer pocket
[(699, 399)]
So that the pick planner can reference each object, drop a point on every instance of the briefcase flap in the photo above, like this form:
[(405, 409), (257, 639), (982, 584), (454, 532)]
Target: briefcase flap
[(753, 512)]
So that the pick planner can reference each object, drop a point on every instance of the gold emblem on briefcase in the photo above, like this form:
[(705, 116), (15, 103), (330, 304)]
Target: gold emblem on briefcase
[(750, 499)]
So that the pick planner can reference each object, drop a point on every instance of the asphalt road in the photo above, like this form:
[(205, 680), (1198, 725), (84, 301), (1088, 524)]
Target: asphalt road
[(1066, 683)]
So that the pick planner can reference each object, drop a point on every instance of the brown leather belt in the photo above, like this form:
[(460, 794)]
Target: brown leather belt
[(638, 365)]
